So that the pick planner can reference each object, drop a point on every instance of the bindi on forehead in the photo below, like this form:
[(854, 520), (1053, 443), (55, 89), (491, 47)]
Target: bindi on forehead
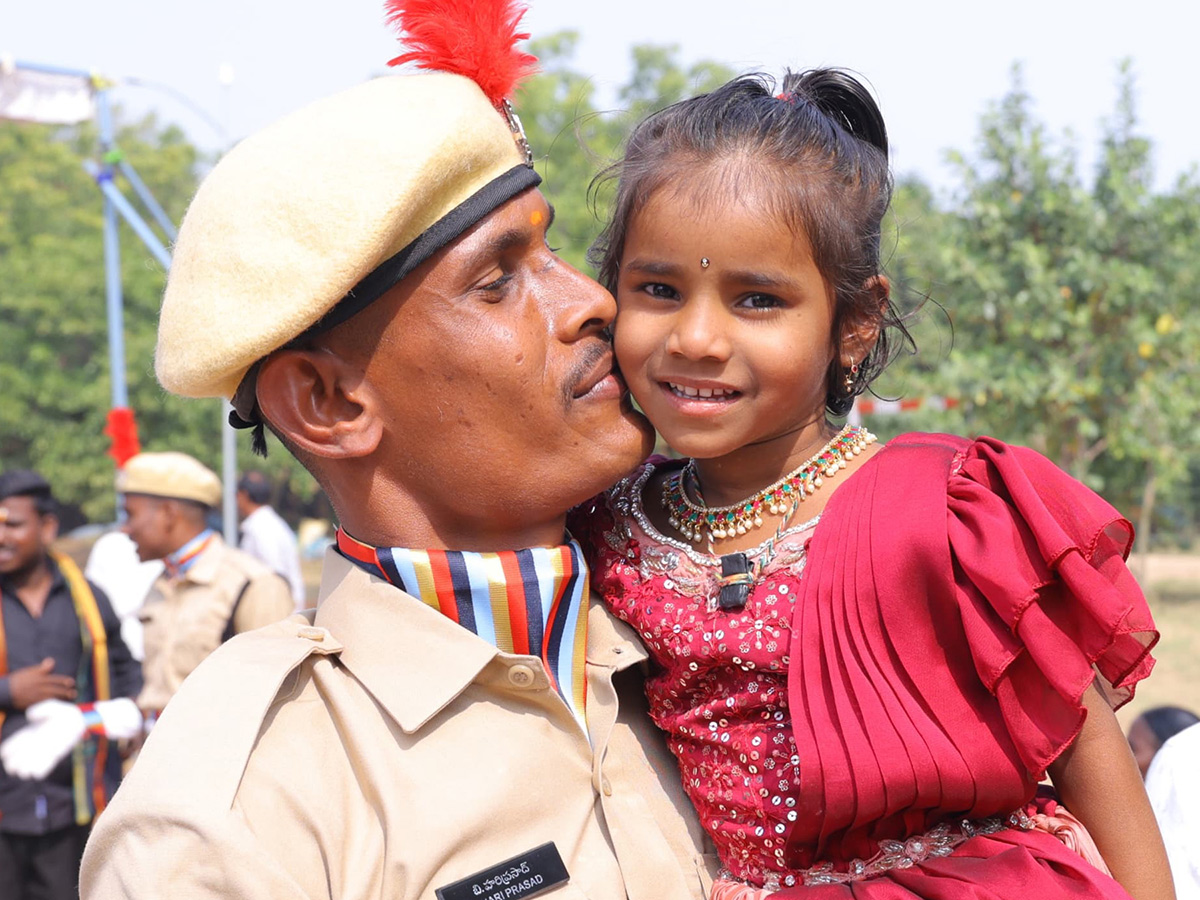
[(537, 217)]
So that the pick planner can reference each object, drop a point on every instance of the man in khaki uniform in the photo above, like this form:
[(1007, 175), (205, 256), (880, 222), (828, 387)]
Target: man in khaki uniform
[(370, 278), (208, 591)]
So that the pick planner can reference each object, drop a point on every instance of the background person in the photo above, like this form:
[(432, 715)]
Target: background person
[(265, 535), (66, 679), (208, 591), (1153, 728), (113, 565), (1173, 783)]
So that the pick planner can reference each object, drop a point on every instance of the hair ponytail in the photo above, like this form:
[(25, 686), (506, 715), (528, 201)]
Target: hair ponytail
[(844, 99)]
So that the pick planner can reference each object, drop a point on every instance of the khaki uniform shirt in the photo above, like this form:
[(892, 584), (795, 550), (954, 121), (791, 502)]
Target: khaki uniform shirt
[(185, 619), (382, 752)]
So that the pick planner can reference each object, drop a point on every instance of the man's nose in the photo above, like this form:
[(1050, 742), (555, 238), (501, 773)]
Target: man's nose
[(586, 307)]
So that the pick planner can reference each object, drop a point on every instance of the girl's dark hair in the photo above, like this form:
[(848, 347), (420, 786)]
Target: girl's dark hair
[(1167, 721), (820, 145)]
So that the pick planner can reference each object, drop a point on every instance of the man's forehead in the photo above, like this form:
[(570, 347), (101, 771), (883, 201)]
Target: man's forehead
[(15, 507), (519, 221), (530, 208)]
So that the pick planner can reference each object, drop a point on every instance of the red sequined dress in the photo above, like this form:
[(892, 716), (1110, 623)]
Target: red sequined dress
[(901, 675)]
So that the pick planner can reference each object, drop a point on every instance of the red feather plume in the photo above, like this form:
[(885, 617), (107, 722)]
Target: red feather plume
[(475, 38), (122, 428)]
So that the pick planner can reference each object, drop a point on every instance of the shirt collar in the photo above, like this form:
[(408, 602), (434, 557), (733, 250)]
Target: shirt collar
[(57, 581), (390, 641), (178, 563), (530, 602)]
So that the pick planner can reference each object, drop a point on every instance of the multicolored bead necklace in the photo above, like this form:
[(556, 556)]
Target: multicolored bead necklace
[(695, 520)]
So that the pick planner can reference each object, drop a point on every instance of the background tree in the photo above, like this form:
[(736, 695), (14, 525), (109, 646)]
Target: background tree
[(1068, 298), (54, 364)]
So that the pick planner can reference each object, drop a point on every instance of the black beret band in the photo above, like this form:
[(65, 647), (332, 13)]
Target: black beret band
[(392, 271)]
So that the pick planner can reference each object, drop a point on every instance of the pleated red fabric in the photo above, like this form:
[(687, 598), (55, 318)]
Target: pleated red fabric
[(958, 600), (948, 612)]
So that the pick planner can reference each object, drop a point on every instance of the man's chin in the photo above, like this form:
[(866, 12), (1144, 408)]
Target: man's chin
[(629, 441)]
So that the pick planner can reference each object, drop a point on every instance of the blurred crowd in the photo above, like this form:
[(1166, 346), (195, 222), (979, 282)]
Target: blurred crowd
[(91, 657)]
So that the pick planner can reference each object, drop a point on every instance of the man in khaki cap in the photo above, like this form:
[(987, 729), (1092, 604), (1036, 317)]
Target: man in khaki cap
[(370, 278), (208, 591)]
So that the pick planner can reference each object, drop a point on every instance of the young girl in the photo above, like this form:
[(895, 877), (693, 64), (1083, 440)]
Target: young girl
[(867, 657)]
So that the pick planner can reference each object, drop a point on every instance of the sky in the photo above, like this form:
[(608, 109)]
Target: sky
[(935, 66)]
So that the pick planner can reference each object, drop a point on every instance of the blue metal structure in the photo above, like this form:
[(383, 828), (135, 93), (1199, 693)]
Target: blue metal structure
[(117, 205)]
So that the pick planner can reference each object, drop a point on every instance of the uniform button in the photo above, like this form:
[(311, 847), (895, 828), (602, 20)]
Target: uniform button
[(520, 676), (606, 786), (311, 633)]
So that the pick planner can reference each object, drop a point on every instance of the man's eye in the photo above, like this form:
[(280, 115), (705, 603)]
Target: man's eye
[(498, 284)]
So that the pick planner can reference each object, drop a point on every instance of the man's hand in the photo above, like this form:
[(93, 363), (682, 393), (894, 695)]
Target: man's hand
[(53, 731), (34, 684), (55, 728)]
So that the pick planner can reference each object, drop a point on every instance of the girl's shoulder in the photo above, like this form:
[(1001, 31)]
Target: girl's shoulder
[(989, 460)]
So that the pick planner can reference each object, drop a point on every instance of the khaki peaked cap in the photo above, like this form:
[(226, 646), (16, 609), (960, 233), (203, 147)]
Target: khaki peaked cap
[(173, 475), (297, 215)]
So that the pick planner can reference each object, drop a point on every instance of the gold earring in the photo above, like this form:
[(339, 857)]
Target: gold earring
[(851, 377)]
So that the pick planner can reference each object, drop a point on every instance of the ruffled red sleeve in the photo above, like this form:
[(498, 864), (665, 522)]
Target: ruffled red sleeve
[(1048, 604)]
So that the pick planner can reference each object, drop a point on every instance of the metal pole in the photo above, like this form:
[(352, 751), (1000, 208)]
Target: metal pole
[(228, 435), (112, 270), (113, 197), (112, 281), (143, 192)]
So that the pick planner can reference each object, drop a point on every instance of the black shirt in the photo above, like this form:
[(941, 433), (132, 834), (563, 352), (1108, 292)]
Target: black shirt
[(36, 807)]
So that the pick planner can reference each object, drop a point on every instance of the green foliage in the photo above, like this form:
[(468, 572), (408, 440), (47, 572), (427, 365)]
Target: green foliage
[(54, 361), (1069, 299)]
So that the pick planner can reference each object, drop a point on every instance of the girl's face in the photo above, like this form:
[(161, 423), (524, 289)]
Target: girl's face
[(724, 325)]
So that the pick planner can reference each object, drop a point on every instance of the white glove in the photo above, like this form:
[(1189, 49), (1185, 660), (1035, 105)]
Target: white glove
[(54, 729), (122, 719)]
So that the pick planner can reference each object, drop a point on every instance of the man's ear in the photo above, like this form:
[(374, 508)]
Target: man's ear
[(860, 328), (49, 528), (320, 403)]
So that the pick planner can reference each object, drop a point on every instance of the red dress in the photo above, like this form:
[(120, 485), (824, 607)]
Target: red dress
[(914, 659)]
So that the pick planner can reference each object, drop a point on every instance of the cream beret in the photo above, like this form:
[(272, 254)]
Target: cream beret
[(368, 182), (174, 475)]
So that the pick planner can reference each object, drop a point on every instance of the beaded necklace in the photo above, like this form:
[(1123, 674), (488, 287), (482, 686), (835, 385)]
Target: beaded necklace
[(696, 520)]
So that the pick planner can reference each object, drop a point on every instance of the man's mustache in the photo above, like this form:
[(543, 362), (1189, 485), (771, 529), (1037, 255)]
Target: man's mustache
[(597, 352)]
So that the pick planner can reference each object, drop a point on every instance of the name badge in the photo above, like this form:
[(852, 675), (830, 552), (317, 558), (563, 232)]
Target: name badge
[(525, 875)]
